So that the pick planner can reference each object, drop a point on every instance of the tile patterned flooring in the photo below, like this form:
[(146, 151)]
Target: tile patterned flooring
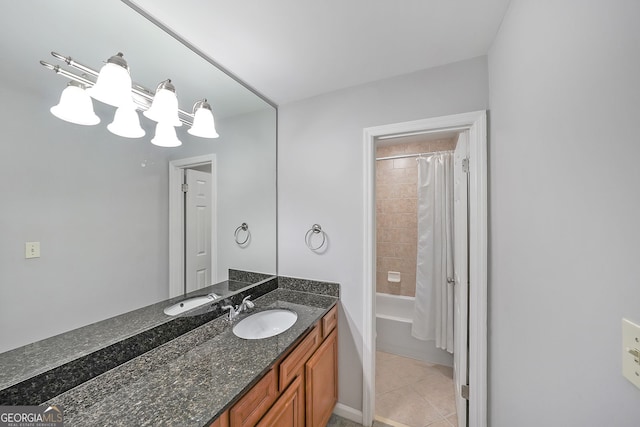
[(411, 393)]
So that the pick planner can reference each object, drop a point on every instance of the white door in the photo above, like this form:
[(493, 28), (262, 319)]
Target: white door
[(461, 276), (197, 229)]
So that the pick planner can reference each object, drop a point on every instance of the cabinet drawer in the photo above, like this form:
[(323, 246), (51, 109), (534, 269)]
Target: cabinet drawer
[(293, 363), (253, 405), (329, 322)]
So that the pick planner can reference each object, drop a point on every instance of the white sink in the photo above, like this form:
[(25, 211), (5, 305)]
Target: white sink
[(265, 324), (189, 304)]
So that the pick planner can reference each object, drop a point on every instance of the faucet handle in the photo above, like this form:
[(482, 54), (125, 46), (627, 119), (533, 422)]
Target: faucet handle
[(246, 303), (233, 312)]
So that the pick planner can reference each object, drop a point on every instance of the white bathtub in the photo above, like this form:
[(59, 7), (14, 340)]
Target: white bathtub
[(393, 331)]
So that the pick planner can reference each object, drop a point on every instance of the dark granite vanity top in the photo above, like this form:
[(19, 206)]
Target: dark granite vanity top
[(192, 379), (33, 359)]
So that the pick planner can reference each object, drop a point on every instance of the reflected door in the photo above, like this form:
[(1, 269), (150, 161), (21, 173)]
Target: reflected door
[(198, 209)]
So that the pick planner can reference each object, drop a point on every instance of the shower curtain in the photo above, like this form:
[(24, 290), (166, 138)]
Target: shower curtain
[(433, 313)]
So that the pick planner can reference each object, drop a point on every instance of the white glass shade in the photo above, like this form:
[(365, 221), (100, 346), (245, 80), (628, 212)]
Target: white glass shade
[(75, 106), (126, 123), (113, 86), (164, 108), (203, 124), (165, 136)]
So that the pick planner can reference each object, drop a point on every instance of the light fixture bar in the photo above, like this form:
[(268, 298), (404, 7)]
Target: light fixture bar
[(137, 89)]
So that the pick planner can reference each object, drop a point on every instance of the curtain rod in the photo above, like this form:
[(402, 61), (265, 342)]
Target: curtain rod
[(404, 156)]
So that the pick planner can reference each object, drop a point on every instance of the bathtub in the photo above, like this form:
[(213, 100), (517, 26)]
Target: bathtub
[(393, 331)]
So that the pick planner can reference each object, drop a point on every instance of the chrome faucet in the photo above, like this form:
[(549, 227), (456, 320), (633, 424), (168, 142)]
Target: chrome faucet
[(235, 312)]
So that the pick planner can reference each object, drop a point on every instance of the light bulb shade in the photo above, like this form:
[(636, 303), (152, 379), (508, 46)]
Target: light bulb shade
[(126, 123), (113, 86), (75, 106), (203, 122), (165, 136), (164, 107)]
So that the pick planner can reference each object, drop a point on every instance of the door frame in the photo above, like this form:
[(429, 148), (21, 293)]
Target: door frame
[(176, 220), (476, 123)]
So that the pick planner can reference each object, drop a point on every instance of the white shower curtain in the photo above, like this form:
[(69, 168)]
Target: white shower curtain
[(433, 314)]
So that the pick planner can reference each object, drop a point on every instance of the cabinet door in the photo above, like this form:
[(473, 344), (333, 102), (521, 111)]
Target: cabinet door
[(255, 403), (222, 421), (321, 376), (288, 411)]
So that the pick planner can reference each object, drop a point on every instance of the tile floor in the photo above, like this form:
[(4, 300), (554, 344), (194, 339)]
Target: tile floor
[(411, 393)]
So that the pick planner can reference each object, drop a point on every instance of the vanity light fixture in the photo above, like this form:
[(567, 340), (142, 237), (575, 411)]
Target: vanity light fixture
[(203, 122), (164, 107), (75, 106), (113, 86), (126, 123), (165, 136)]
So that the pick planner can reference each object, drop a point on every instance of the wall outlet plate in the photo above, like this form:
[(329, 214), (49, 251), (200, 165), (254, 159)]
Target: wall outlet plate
[(631, 351)]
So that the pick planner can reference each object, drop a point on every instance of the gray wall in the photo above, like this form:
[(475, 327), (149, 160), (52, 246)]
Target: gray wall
[(320, 180), (564, 202), (246, 173), (100, 216)]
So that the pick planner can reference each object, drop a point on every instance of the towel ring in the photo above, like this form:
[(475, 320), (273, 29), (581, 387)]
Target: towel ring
[(243, 227), (315, 229)]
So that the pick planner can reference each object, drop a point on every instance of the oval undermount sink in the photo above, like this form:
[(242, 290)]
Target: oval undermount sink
[(265, 324), (189, 304)]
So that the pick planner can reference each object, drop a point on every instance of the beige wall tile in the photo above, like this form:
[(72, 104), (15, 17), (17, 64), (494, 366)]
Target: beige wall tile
[(405, 163)]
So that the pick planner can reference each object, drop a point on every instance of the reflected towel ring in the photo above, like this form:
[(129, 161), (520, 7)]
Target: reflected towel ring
[(243, 227), (315, 229)]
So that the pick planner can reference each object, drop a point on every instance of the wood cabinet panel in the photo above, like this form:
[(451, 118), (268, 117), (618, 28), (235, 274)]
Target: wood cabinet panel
[(329, 322), (221, 421), (291, 365), (253, 405), (288, 411), (321, 378)]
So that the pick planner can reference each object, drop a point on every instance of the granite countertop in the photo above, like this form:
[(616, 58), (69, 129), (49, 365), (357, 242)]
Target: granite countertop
[(192, 379), (33, 359)]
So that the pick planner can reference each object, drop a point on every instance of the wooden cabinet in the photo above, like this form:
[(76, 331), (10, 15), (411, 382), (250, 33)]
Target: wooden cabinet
[(255, 403), (300, 390), (222, 421), (321, 379), (288, 411), (292, 365)]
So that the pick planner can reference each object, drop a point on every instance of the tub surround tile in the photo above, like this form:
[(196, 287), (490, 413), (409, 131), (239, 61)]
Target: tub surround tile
[(51, 381), (192, 379), (310, 286)]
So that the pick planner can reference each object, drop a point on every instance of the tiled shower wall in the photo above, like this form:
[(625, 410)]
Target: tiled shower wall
[(397, 212)]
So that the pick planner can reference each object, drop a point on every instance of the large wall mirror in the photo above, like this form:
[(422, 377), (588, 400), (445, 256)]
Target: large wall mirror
[(98, 204)]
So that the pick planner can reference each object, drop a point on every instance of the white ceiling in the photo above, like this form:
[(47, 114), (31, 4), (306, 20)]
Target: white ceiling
[(294, 49)]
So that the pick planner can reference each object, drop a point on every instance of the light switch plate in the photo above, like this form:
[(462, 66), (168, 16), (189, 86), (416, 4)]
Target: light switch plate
[(32, 250), (631, 352)]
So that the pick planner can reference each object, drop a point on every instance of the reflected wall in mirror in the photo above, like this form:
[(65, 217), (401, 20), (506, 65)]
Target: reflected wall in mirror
[(98, 203)]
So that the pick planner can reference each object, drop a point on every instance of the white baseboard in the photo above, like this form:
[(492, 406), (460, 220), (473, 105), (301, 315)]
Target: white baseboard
[(348, 412)]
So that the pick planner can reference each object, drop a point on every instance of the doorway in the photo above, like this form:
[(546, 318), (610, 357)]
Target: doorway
[(192, 224), (474, 125), (421, 240)]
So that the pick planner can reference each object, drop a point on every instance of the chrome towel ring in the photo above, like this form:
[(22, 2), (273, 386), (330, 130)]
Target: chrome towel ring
[(242, 227), (315, 229)]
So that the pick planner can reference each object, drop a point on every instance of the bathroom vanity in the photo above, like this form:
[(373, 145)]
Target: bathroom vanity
[(210, 377), (300, 389)]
